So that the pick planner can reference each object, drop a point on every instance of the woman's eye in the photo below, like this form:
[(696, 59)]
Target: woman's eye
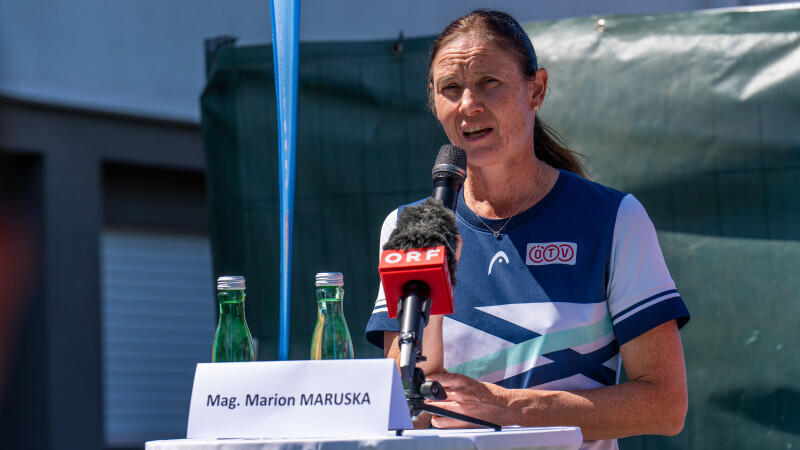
[(450, 88), (491, 82)]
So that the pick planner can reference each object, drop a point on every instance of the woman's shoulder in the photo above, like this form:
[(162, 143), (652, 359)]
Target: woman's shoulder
[(589, 187), (390, 221), (589, 200), (583, 192)]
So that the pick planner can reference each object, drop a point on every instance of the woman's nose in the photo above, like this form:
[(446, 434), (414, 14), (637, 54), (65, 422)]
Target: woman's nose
[(469, 103)]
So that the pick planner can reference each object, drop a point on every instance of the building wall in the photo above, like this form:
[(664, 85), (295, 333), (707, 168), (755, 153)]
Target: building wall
[(60, 167), (146, 57)]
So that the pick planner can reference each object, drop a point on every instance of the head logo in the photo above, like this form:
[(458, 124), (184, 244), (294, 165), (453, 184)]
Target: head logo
[(499, 256), (540, 254)]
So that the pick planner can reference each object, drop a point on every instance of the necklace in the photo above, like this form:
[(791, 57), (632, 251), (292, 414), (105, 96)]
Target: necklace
[(497, 233)]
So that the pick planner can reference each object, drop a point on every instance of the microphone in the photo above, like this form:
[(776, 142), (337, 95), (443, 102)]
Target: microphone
[(415, 280), (449, 172), (417, 269), (421, 249), (419, 228)]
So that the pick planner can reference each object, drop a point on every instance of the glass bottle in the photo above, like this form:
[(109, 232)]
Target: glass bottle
[(233, 341), (331, 338)]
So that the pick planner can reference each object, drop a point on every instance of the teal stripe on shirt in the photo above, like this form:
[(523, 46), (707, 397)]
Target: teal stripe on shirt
[(532, 348)]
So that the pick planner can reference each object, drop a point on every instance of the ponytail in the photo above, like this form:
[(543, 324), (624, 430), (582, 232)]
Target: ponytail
[(550, 148)]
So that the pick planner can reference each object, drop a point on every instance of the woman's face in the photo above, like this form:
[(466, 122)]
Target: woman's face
[(484, 102)]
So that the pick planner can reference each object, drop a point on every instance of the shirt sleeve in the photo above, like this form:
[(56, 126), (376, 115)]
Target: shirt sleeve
[(379, 321), (641, 293)]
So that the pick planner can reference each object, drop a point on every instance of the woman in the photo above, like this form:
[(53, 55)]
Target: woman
[(560, 279)]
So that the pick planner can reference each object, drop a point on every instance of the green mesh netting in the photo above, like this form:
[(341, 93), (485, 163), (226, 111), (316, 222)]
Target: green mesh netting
[(697, 114)]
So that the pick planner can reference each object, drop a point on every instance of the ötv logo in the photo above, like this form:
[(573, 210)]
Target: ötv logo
[(540, 254)]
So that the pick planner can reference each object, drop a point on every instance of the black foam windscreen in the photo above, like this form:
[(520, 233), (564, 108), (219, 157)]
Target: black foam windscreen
[(428, 224)]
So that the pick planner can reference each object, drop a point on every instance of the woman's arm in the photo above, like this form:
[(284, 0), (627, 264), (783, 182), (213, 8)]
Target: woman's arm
[(652, 401), (431, 346)]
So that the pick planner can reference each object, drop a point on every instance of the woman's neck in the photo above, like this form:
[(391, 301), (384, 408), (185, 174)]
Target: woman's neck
[(501, 192)]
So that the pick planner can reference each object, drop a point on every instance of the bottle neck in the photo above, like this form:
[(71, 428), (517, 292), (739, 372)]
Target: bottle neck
[(329, 300), (330, 293), (231, 303)]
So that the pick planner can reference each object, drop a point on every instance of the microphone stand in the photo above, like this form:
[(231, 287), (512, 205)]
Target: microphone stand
[(413, 312)]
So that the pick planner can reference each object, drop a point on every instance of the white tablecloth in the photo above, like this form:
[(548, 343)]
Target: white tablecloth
[(517, 438)]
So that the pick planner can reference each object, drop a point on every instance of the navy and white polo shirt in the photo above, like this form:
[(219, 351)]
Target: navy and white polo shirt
[(549, 303)]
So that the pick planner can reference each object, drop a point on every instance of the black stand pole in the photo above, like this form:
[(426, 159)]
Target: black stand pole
[(413, 312)]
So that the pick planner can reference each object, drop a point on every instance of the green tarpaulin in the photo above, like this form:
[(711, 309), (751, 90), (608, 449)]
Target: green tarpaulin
[(697, 114)]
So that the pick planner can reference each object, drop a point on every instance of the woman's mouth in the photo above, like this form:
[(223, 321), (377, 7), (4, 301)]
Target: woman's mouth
[(476, 132)]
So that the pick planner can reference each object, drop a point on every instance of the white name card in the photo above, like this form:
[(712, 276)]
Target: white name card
[(266, 399)]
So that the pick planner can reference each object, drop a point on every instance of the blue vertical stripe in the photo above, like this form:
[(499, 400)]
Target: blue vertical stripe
[(285, 52)]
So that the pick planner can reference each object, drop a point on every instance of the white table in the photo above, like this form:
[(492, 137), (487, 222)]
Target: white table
[(518, 438)]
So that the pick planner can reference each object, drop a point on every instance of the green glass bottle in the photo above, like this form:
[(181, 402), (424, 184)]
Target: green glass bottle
[(331, 338), (233, 341)]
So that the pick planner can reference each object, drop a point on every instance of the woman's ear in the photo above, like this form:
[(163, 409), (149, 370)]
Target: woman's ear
[(538, 88)]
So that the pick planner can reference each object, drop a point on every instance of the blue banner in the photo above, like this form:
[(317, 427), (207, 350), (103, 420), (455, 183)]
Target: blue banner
[(285, 52)]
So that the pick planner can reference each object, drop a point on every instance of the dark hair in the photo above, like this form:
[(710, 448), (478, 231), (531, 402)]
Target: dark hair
[(503, 31)]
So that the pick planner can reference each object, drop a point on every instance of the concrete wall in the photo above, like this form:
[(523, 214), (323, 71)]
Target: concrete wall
[(59, 166)]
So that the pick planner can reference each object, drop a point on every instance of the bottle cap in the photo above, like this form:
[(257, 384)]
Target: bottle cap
[(330, 279), (230, 283)]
